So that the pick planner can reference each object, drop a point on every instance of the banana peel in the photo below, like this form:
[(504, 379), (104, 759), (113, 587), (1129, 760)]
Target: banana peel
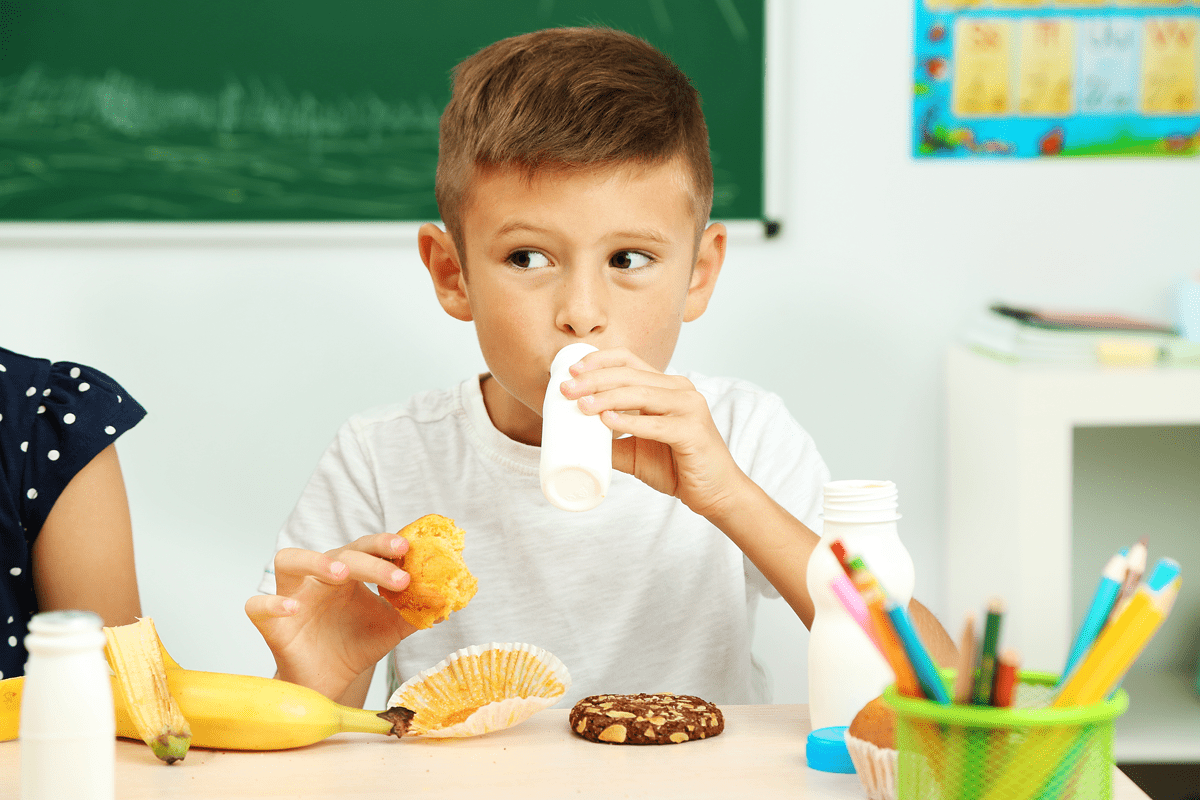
[(135, 654), (235, 712)]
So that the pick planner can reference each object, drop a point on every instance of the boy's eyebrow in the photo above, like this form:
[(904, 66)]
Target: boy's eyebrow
[(644, 234)]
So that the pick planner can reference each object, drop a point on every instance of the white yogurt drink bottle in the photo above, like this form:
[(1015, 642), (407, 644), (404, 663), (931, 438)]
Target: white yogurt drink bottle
[(67, 728), (576, 463), (845, 670)]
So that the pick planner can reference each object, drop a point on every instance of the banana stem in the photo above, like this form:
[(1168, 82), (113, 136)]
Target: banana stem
[(394, 721)]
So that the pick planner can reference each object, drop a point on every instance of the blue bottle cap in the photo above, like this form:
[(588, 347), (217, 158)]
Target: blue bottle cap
[(827, 750)]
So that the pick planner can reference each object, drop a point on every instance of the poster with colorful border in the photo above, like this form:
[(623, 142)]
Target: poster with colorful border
[(1038, 78)]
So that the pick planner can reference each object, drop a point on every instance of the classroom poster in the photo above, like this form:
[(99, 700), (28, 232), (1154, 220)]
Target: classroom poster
[(1040, 78)]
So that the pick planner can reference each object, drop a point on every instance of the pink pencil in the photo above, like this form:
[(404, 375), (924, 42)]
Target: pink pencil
[(852, 599)]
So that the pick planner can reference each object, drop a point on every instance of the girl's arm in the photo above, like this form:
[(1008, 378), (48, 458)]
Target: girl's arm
[(83, 556)]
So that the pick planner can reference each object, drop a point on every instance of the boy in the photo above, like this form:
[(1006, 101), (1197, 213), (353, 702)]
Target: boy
[(575, 185)]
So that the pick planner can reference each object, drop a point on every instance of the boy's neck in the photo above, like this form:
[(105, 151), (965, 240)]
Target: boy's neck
[(510, 416)]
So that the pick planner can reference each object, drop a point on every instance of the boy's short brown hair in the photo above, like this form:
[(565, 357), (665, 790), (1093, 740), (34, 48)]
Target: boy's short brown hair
[(568, 98)]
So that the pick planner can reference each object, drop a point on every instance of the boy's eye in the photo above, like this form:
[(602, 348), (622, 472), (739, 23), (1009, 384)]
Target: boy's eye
[(629, 259), (528, 259)]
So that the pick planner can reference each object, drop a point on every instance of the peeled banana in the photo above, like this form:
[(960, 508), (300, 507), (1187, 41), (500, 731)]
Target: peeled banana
[(236, 712), (140, 676)]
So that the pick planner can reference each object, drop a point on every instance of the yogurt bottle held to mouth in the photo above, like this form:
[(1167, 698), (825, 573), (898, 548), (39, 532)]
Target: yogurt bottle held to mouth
[(576, 461)]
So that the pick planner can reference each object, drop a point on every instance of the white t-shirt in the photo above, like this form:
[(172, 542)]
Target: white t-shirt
[(639, 594)]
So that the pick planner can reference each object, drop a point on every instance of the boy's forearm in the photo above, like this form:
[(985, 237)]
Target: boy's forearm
[(780, 546), (774, 541)]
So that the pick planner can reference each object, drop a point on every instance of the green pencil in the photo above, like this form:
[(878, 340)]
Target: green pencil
[(985, 678)]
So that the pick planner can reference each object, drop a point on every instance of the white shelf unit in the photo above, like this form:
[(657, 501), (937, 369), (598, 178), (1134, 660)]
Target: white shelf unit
[(1009, 479)]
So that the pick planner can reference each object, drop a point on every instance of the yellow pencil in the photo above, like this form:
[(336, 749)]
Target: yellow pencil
[(1118, 646)]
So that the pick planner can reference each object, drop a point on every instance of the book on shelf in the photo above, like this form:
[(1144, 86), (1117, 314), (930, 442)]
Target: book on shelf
[(1022, 334)]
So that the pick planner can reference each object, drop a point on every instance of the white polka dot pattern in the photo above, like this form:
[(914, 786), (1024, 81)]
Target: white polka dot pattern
[(69, 418), (83, 387), (52, 455)]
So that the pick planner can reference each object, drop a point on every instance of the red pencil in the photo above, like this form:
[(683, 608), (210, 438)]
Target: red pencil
[(1005, 690), (839, 552)]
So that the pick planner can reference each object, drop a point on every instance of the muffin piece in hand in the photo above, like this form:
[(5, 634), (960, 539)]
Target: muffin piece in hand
[(440, 581), (871, 741)]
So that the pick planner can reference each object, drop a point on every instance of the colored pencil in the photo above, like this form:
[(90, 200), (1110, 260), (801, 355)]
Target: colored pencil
[(852, 601), (1111, 579), (886, 636), (981, 694), (1122, 640), (967, 646), (918, 656), (843, 558), (1006, 678), (1136, 561)]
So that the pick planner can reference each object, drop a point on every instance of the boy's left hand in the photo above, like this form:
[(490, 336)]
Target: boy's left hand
[(673, 444)]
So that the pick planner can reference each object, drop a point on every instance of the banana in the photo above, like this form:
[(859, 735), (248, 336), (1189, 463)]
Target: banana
[(236, 712), (135, 655)]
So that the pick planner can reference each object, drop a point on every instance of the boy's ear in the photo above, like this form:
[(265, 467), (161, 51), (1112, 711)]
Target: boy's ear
[(709, 258), (441, 259)]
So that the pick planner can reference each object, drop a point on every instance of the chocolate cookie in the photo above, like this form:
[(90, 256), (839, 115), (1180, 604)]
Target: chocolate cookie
[(645, 718)]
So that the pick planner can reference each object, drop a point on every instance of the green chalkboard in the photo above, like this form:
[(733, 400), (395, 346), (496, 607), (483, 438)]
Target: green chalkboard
[(271, 110)]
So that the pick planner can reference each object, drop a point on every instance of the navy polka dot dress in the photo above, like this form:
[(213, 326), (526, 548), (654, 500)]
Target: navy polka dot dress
[(54, 419)]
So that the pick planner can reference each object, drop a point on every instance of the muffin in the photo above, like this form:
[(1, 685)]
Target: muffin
[(871, 741), (480, 689), (440, 581)]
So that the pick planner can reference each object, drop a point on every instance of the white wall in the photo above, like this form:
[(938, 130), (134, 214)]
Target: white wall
[(249, 354)]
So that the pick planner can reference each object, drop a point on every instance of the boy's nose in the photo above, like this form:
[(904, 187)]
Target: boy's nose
[(582, 307)]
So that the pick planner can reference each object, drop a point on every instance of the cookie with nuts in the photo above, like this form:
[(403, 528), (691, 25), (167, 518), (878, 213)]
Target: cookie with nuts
[(645, 718)]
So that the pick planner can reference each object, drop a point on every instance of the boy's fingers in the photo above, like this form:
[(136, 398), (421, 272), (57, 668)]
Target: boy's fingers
[(647, 401), (624, 378), (369, 568), (384, 545), (293, 564), (262, 608)]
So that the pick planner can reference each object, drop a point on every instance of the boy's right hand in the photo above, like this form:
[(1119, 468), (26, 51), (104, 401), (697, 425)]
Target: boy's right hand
[(323, 625)]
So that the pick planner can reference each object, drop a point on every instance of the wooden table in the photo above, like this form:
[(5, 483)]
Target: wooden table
[(760, 755)]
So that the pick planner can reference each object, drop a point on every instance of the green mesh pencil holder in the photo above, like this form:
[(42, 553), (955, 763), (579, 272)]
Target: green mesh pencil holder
[(1026, 752)]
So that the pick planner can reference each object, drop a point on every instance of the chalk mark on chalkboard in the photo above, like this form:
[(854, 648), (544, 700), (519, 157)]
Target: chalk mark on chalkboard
[(79, 147)]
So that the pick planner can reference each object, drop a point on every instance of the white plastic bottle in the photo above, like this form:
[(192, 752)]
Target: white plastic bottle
[(67, 729), (576, 461), (845, 670)]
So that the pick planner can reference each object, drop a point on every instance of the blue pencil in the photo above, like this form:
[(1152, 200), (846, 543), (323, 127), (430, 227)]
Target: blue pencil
[(1103, 600), (918, 656)]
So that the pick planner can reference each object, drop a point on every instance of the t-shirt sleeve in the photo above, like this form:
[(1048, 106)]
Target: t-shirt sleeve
[(79, 412), (339, 504)]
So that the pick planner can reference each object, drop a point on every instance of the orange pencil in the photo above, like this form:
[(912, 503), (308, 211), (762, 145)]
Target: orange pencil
[(1005, 690), (887, 638)]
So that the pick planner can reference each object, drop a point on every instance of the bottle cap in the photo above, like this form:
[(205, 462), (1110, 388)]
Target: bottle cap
[(826, 750)]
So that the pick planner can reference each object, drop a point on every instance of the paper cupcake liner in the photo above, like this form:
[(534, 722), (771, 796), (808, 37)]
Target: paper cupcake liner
[(877, 768), (482, 688)]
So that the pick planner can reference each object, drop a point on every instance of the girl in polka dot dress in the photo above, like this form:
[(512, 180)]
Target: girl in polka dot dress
[(65, 534)]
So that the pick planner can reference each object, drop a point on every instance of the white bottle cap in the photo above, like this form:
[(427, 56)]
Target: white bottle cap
[(576, 462)]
